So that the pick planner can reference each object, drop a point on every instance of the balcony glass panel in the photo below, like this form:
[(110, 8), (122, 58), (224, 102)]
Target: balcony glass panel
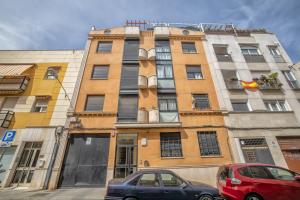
[(168, 117)]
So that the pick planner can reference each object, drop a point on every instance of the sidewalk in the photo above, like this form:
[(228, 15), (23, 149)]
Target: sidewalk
[(59, 194)]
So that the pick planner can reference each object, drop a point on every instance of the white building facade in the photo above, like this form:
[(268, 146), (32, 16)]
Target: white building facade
[(260, 90)]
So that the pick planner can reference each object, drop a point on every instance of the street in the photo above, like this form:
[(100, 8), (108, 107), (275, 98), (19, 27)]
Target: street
[(59, 194)]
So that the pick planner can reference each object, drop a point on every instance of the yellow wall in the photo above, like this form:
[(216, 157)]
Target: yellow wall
[(38, 86)]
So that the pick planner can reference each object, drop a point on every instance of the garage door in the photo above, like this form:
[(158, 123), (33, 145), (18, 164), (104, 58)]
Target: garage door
[(290, 147), (85, 162)]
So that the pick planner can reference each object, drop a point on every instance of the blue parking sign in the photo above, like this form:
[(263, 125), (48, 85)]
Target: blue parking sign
[(9, 136)]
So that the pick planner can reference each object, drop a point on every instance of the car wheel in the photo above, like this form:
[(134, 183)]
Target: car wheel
[(253, 197), (206, 197)]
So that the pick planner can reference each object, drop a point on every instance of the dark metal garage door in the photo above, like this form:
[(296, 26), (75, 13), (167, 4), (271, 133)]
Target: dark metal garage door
[(85, 162)]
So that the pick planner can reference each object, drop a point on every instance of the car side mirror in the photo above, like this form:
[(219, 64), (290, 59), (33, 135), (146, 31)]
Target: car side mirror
[(297, 178), (183, 185)]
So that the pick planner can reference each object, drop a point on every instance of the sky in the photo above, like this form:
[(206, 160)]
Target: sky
[(64, 24)]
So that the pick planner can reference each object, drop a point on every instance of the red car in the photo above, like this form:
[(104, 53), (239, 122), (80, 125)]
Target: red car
[(258, 182)]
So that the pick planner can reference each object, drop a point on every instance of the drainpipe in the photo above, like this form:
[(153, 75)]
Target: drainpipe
[(58, 133)]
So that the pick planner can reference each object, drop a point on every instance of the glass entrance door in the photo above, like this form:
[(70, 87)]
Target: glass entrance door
[(27, 163), (126, 155)]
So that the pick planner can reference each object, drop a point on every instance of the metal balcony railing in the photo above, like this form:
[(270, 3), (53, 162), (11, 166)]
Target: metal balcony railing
[(254, 58), (294, 84), (13, 84), (267, 86), (6, 117), (224, 57), (279, 59), (233, 85)]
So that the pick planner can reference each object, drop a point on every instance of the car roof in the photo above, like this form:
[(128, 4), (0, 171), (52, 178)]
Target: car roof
[(155, 171), (248, 164)]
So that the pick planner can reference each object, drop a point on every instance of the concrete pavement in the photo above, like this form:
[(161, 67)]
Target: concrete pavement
[(59, 194)]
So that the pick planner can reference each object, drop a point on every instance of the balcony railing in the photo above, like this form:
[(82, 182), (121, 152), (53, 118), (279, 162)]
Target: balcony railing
[(254, 58), (6, 117), (267, 86), (233, 85), (224, 57), (13, 84)]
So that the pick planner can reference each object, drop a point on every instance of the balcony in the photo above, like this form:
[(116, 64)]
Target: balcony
[(147, 55), (152, 81), (6, 117), (267, 86), (13, 84), (233, 84), (224, 57), (142, 82), (254, 58), (152, 119)]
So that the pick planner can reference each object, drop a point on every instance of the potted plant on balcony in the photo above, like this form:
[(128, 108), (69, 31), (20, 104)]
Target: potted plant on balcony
[(269, 81)]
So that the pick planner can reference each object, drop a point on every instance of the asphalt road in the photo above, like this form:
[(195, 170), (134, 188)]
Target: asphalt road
[(59, 194)]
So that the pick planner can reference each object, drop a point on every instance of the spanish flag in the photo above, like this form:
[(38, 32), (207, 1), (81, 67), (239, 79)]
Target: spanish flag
[(249, 85)]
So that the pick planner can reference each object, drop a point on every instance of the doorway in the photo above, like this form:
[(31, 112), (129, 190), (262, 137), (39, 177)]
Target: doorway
[(126, 155), (27, 164), (86, 160)]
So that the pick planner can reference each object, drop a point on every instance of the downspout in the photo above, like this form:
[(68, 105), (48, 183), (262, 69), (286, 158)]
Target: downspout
[(58, 133)]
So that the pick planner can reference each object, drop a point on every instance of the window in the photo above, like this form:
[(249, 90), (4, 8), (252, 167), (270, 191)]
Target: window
[(194, 72), (128, 108), (104, 46), (164, 70), (208, 143), (94, 103), (52, 73), (10, 103), (223, 173), (274, 51), (149, 180), (239, 105), (170, 180), (250, 50), (290, 77), (244, 171), (167, 102), (200, 101), (40, 105), (276, 105), (129, 76), (100, 72), (131, 50), (281, 174), (188, 47), (222, 53), (170, 145), (260, 172), (163, 51)]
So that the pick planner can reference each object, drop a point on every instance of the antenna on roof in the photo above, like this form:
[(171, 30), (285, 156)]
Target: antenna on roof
[(93, 28)]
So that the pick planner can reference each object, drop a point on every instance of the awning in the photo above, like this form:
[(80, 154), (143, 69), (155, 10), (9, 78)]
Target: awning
[(13, 70)]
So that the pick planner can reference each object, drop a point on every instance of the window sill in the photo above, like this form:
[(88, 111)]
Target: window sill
[(99, 78), (259, 111), (190, 52), (167, 158), (103, 52), (219, 156), (196, 79)]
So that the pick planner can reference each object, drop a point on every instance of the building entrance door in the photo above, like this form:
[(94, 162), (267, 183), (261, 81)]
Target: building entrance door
[(27, 164), (6, 156), (126, 155)]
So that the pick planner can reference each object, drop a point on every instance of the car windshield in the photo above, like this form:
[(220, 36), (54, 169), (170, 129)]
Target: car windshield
[(129, 177)]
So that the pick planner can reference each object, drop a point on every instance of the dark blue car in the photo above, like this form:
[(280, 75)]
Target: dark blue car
[(159, 184)]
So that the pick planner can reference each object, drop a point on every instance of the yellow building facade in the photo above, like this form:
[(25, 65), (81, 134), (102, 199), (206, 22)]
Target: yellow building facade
[(34, 97)]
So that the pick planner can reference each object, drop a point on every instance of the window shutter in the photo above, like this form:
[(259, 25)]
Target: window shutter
[(94, 103), (131, 49), (128, 107), (100, 72), (129, 77)]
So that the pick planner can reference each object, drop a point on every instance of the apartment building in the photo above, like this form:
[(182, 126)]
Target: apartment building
[(146, 99), (35, 87), (258, 85)]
